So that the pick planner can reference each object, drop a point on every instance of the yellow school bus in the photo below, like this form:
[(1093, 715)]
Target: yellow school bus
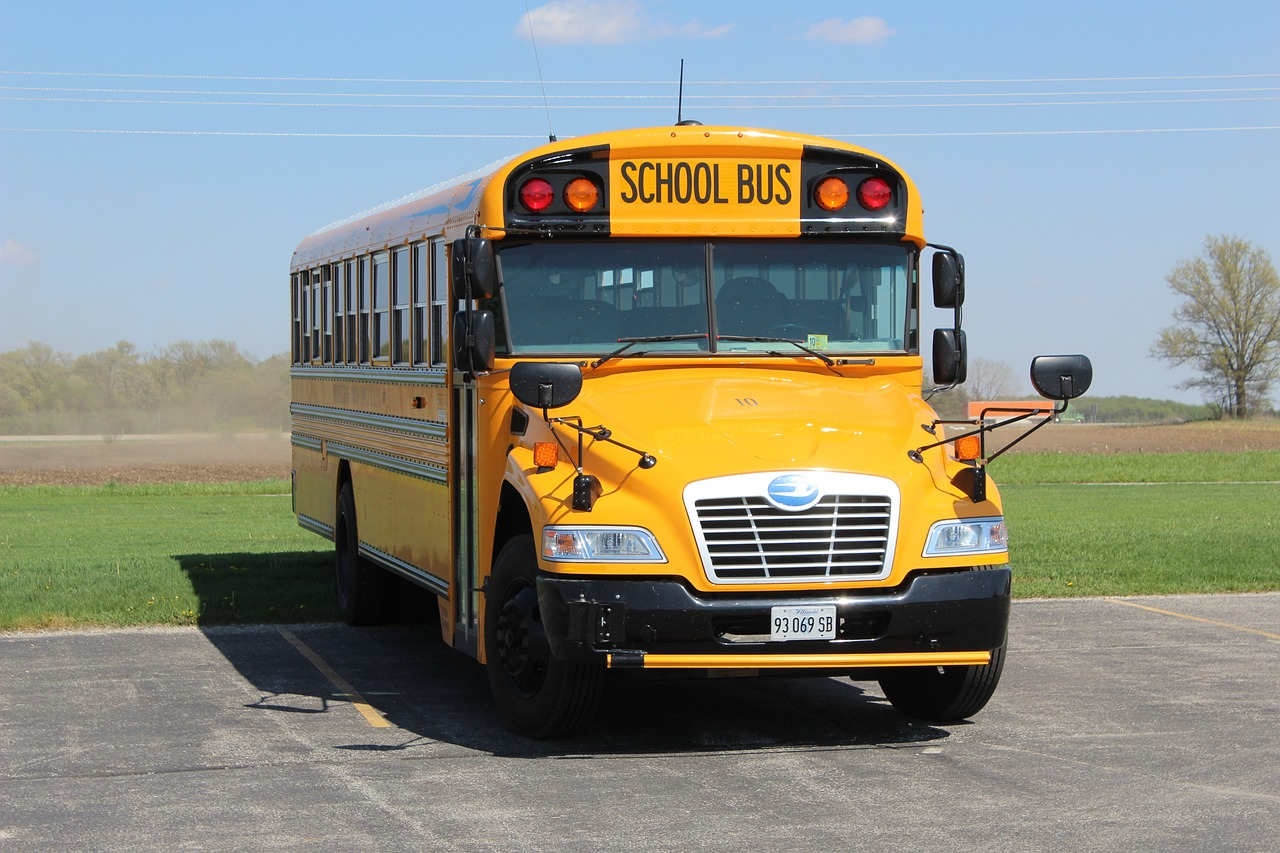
[(652, 400)]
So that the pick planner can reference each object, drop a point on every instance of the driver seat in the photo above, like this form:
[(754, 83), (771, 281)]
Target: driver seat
[(749, 306)]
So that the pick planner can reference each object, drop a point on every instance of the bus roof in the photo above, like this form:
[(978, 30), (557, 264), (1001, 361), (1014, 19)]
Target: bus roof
[(709, 164)]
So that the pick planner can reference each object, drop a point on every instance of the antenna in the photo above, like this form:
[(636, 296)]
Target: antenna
[(551, 134), (680, 96)]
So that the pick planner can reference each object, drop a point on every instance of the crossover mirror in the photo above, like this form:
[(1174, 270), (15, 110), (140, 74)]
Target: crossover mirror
[(1061, 377)]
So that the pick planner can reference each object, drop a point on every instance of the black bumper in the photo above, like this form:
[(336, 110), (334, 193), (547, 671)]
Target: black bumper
[(959, 611)]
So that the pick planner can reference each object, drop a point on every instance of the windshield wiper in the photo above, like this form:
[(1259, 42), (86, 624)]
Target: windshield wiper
[(628, 343), (751, 340)]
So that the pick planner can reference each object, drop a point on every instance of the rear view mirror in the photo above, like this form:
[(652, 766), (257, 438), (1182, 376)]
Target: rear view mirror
[(474, 341), (475, 271), (547, 385), (948, 279), (950, 360), (1061, 377)]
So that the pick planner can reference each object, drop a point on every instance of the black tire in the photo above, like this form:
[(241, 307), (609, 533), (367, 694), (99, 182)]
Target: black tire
[(540, 695), (944, 694), (360, 586)]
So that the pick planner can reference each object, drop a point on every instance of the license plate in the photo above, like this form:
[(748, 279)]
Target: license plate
[(803, 623)]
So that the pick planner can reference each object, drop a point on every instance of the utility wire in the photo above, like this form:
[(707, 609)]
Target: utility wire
[(894, 135), (811, 82), (655, 96), (709, 106)]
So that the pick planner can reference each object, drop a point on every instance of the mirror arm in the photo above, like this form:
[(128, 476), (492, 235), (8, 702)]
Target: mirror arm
[(1046, 419), (600, 433), (979, 470)]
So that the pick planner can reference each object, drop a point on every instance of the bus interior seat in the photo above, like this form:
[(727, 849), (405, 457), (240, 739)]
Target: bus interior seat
[(748, 306)]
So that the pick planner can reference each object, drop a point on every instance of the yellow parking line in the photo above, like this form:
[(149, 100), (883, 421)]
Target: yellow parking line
[(366, 710), (1267, 634)]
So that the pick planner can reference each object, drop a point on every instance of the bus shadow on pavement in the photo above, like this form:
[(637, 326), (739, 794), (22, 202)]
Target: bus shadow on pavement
[(432, 695)]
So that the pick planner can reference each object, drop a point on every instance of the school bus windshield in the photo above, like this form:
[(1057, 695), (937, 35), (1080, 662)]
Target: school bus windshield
[(584, 297)]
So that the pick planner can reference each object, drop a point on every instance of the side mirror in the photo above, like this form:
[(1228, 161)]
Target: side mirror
[(547, 385), (950, 356), (1061, 377), (475, 270), (948, 279), (474, 347)]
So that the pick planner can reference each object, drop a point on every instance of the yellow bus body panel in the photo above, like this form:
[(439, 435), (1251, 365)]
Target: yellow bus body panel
[(703, 419)]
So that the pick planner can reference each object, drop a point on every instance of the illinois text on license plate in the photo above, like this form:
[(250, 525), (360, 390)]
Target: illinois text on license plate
[(803, 623)]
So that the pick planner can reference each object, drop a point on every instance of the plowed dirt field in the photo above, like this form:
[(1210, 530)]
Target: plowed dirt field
[(220, 458)]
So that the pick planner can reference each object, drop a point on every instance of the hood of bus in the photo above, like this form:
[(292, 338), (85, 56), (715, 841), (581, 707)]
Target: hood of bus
[(714, 420)]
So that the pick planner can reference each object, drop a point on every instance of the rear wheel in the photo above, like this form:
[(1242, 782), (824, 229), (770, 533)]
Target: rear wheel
[(360, 585), (944, 694), (541, 696)]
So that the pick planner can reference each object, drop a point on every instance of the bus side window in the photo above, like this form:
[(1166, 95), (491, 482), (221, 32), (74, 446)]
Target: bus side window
[(400, 329), (296, 298), (326, 314), (439, 301), (351, 304), (365, 281), (421, 297), (381, 306), (313, 317), (339, 289)]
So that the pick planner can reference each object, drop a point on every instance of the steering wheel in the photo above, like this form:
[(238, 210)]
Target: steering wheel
[(789, 331)]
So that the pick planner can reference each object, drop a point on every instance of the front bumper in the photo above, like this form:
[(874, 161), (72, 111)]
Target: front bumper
[(951, 618)]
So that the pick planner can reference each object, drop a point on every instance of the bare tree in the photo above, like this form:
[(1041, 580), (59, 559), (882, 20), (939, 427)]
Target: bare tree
[(1228, 326), (989, 379)]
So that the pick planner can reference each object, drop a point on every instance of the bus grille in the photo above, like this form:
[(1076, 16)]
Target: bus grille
[(801, 527), (842, 536)]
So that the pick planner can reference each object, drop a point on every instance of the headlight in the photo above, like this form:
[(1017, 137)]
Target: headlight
[(967, 536), (600, 545)]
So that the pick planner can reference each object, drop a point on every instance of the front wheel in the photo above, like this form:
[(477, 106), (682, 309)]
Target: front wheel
[(944, 694), (541, 695)]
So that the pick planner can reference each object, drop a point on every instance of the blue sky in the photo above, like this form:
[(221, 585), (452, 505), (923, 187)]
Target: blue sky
[(159, 161)]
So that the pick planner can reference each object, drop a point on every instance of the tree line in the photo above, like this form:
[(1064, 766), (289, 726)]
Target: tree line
[(205, 386)]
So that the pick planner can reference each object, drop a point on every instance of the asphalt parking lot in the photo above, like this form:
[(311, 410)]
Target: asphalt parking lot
[(1120, 724)]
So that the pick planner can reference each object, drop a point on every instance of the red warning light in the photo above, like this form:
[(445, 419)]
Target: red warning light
[(536, 195), (874, 193)]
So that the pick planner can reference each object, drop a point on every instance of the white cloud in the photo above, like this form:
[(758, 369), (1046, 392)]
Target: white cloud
[(15, 254), (605, 22), (856, 31)]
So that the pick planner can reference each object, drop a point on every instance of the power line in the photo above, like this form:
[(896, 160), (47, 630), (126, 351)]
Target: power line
[(539, 106), (464, 81), (894, 135), (269, 133), (656, 96)]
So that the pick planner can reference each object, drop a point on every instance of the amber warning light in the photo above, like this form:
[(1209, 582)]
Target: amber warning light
[(832, 194), (581, 195)]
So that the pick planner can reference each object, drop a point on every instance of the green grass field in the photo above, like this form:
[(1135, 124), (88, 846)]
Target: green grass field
[(1124, 524), (158, 555)]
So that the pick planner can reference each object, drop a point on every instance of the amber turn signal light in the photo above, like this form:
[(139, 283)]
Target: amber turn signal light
[(546, 454), (968, 448)]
